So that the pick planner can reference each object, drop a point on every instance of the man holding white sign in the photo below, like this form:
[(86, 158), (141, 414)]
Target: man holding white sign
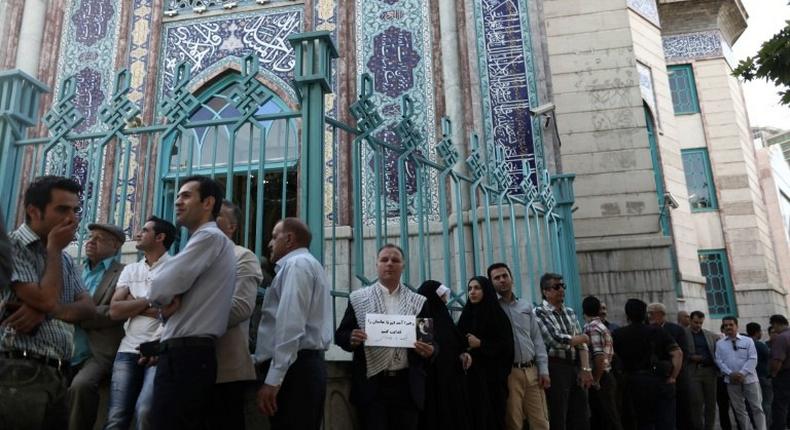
[(388, 382)]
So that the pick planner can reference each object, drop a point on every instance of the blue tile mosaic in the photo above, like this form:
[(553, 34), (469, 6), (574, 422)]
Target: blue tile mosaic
[(647, 89), (394, 44)]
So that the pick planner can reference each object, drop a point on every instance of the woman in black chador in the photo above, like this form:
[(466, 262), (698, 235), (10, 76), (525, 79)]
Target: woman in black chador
[(445, 392), (489, 338)]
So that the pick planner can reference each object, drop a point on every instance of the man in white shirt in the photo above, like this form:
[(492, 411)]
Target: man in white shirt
[(295, 330), (194, 290), (736, 357), (235, 370), (132, 377)]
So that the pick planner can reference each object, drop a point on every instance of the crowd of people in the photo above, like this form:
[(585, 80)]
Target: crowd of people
[(170, 334)]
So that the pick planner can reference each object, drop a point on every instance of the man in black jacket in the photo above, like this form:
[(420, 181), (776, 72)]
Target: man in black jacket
[(388, 384), (657, 315), (646, 353)]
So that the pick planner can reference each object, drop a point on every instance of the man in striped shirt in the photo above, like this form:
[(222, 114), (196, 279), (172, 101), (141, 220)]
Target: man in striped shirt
[(562, 334), (46, 294)]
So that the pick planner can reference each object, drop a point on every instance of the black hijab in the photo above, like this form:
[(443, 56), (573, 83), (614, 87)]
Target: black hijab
[(443, 326), (476, 315), (488, 321)]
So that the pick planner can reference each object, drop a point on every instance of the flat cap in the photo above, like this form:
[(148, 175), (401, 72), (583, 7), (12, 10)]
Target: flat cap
[(114, 230)]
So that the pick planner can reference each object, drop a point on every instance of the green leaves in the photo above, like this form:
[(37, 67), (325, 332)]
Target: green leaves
[(772, 63)]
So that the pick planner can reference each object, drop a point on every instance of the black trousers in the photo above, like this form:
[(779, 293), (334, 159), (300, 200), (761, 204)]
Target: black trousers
[(649, 401), (227, 405), (604, 412), (392, 407), (566, 398), (183, 384), (781, 404), (300, 401)]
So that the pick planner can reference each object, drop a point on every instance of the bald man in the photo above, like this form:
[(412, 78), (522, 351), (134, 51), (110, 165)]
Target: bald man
[(684, 320), (295, 330)]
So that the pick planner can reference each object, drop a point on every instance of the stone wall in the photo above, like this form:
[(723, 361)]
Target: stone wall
[(592, 55)]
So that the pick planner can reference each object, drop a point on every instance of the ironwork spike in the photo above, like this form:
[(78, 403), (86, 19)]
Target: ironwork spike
[(183, 73), (367, 86)]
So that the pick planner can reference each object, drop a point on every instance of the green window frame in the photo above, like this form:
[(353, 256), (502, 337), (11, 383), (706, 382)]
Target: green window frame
[(683, 89), (699, 180), (718, 282)]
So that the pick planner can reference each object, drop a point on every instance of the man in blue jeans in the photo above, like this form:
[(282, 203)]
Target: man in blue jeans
[(132, 385)]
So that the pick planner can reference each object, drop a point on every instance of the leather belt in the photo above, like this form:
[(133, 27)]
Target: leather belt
[(62, 366), (186, 342), (524, 365), (310, 353)]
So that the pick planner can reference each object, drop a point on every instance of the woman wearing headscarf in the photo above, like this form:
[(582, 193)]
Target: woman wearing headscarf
[(445, 391), (490, 342)]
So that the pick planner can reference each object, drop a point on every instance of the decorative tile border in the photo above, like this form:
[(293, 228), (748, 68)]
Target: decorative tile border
[(507, 83), (647, 89), (647, 9), (696, 46), (325, 19), (394, 45)]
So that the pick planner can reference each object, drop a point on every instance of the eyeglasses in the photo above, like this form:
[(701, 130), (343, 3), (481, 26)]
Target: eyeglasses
[(734, 346), (557, 287)]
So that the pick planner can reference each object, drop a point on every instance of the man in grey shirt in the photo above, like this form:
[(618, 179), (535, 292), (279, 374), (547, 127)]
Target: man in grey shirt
[(529, 376), (194, 290)]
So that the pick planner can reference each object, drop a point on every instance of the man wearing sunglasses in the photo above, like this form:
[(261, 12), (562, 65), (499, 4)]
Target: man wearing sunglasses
[(564, 339), (736, 357)]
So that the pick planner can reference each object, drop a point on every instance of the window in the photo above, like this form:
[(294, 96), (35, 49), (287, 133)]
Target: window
[(684, 91), (699, 180), (718, 283)]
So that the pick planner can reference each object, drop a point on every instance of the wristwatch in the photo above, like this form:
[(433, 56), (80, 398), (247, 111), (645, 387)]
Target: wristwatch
[(586, 369)]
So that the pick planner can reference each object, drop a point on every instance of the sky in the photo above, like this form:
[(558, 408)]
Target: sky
[(766, 18)]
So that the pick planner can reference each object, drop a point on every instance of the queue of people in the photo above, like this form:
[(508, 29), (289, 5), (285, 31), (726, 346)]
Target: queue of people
[(170, 334)]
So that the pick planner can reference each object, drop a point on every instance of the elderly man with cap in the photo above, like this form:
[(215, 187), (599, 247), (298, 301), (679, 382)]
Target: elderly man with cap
[(96, 340)]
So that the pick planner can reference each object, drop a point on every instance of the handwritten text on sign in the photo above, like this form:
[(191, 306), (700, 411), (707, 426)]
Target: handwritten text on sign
[(397, 331)]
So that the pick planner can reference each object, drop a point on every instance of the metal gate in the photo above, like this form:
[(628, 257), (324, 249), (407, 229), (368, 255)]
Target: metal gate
[(453, 216)]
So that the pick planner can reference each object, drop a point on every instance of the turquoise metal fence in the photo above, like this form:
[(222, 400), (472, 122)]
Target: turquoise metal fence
[(453, 216)]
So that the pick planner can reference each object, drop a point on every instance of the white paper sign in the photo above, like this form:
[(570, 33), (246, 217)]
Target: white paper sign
[(395, 331)]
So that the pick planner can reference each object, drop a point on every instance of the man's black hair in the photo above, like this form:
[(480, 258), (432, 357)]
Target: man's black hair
[(495, 266), (636, 311), (730, 318), (165, 227), (591, 306), (752, 328), (208, 187), (697, 314), (39, 192), (545, 280), (778, 319), (234, 209)]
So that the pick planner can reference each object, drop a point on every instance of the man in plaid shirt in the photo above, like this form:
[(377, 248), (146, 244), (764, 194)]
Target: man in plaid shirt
[(603, 404), (562, 334)]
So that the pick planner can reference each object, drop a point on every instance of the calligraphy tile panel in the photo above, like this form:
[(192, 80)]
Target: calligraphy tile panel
[(213, 42), (394, 45), (698, 45), (646, 8), (507, 85)]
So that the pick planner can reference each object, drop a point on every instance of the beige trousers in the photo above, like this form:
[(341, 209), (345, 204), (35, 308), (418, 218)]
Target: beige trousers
[(526, 399)]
